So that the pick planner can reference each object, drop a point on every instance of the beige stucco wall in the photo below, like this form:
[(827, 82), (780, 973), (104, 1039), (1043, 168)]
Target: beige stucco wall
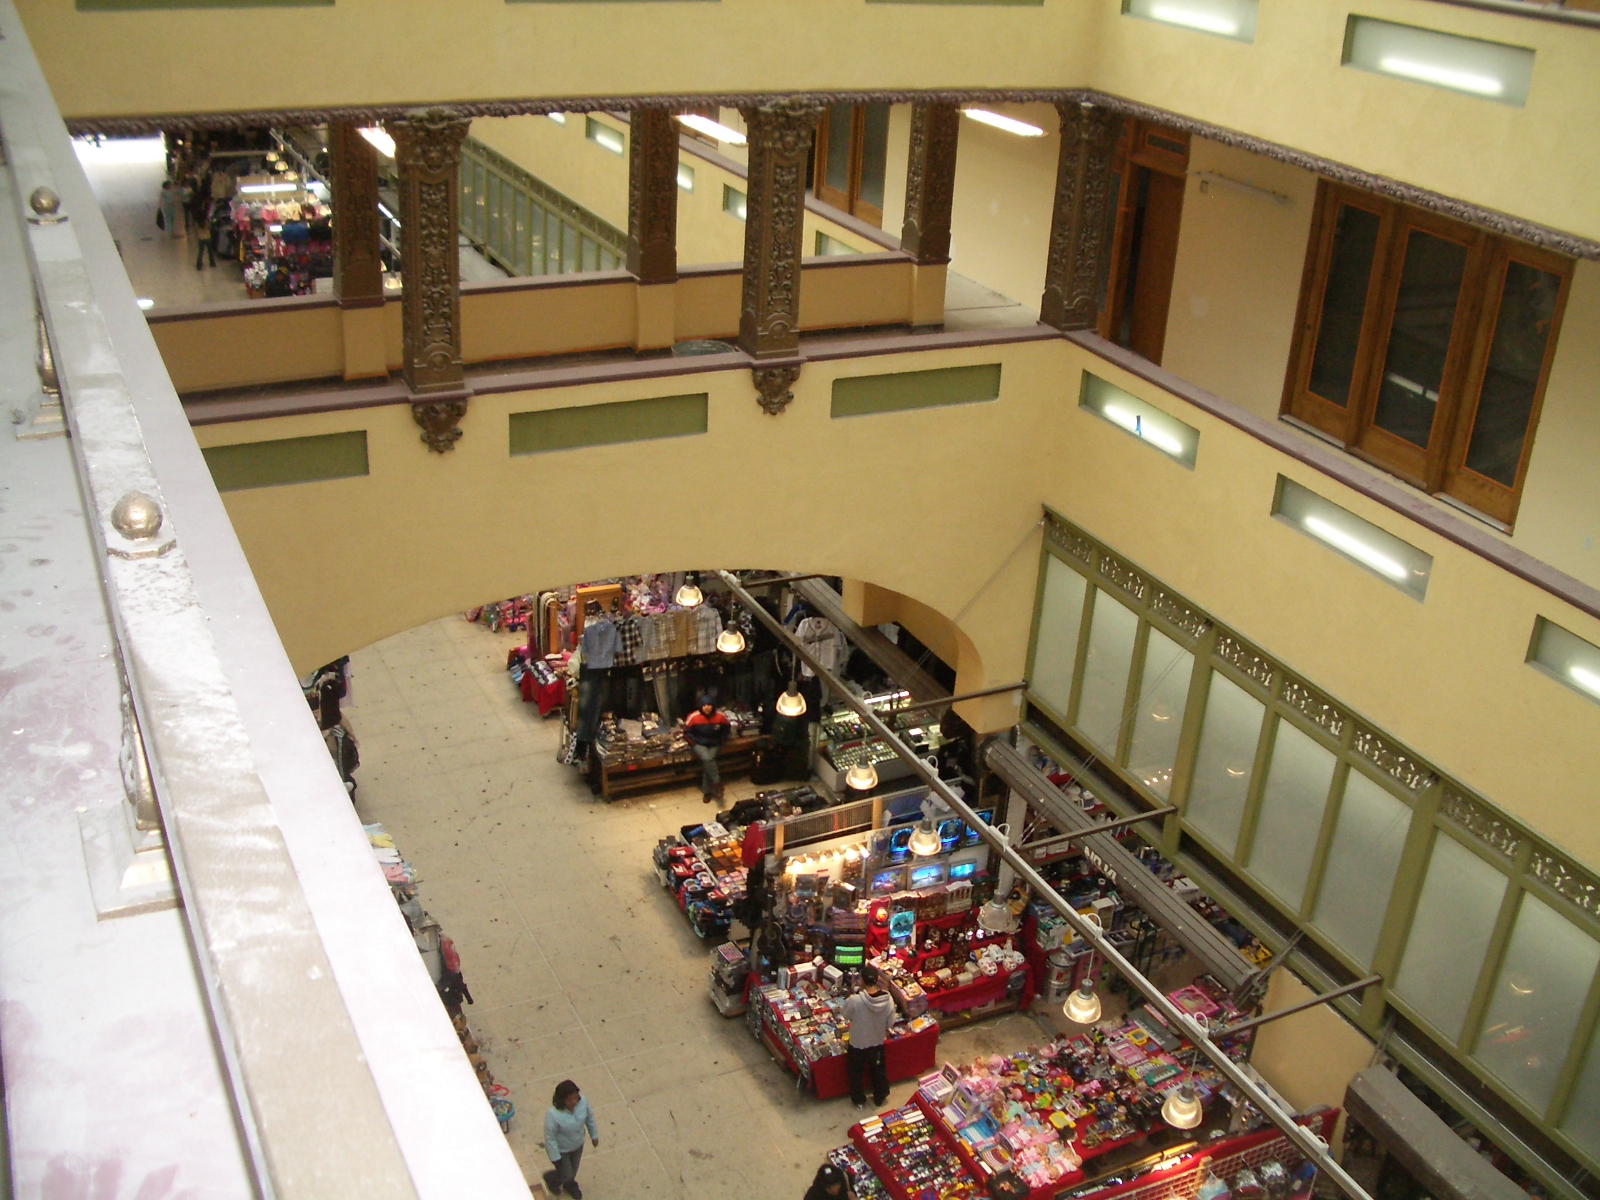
[(1309, 1057)]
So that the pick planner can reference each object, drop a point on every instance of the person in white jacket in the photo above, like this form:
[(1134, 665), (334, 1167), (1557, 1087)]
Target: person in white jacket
[(564, 1125), (870, 1012)]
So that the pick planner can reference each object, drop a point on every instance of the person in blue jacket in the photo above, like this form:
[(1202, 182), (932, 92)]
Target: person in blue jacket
[(564, 1127)]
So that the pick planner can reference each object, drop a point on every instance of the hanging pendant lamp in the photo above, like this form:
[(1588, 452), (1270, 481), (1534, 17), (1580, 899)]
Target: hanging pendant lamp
[(791, 703), (1083, 1005), (996, 917), (925, 841), (863, 777), (730, 641), (688, 595), (1181, 1109)]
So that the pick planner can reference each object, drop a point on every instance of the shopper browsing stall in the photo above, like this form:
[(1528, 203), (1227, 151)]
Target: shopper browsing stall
[(869, 1014), (829, 1184), (564, 1125), (706, 730)]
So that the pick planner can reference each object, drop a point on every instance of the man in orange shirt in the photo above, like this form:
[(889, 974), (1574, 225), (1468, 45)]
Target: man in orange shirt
[(706, 729)]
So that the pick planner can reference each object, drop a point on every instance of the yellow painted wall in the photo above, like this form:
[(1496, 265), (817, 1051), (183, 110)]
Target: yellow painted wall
[(250, 348), (1309, 1057), (1288, 87), (425, 535)]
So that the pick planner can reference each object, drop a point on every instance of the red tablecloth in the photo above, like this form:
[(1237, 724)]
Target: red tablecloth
[(548, 697), (986, 989), (904, 1058)]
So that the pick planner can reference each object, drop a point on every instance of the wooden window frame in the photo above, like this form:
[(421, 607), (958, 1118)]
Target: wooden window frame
[(1135, 149), (849, 201), (1440, 467)]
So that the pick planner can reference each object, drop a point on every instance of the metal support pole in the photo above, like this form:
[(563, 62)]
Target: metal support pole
[(1308, 1143), (994, 691), (1108, 827), (1241, 1026)]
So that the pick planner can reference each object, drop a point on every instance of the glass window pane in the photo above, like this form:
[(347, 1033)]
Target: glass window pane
[(1344, 304), (1163, 695), (1228, 739), (536, 240), (555, 236), (569, 249), (1521, 333), (508, 222), (1583, 1110), (1534, 1007), (591, 255), (1449, 934), (1362, 860), (1419, 337), (874, 154), (837, 172), (492, 235), (1105, 672), (1055, 653), (1291, 813), (521, 266)]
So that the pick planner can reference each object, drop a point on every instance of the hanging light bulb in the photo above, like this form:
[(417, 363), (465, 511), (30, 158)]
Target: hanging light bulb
[(1083, 1006), (863, 777), (996, 917), (689, 594), (1181, 1109), (925, 842), (791, 703), (730, 641)]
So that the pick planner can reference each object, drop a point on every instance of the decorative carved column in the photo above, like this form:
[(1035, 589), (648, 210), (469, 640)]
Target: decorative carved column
[(930, 182), (357, 261), (653, 225), (769, 319), (1079, 231), (428, 154)]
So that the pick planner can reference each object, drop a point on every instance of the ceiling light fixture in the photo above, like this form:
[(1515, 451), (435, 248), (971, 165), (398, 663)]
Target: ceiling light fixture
[(1234, 19), (1083, 1005), (1181, 1109), (712, 129), (730, 641), (996, 917), (379, 139), (1367, 545), (1354, 547), (791, 703), (1178, 441), (1177, 14), (1009, 124), (925, 841), (1449, 77), (267, 189), (1135, 424), (688, 595)]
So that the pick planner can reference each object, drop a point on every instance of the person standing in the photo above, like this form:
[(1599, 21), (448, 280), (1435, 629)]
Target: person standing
[(201, 216), (830, 1184), (564, 1126), (167, 210), (869, 1014), (706, 729)]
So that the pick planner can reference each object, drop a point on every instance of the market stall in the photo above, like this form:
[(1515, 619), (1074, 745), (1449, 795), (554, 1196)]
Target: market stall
[(284, 234)]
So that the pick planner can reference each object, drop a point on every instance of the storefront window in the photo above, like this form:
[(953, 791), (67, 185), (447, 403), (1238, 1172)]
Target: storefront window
[(1291, 814), (1105, 672), (1158, 719), (1533, 1012), (1450, 935), (1055, 651), (1368, 839), (1221, 782)]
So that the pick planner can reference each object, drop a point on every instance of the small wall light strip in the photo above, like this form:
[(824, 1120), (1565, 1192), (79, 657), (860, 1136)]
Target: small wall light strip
[(603, 135), (1146, 422), (734, 202), (380, 140), (1009, 124), (712, 129), (686, 177), (1489, 70), (558, 118), (1566, 658), (1386, 556), (1234, 19), (266, 189)]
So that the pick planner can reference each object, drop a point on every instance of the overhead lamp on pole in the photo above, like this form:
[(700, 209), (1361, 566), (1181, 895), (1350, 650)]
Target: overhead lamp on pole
[(863, 777)]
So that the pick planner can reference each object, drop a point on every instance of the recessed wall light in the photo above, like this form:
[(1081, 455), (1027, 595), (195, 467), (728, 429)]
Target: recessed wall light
[(1566, 658), (734, 202), (380, 140), (1234, 19), (1146, 422), (686, 177), (603, 135), (558, 118), (1490, 70), (268, 189), (1386, 556), (1009, 124), (145, 302), (712, 129)]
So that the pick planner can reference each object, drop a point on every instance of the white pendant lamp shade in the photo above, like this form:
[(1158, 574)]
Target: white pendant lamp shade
[(925, 841), (1181, 1109), (996, 917), (1083, 1006), (730, 641), (791, 703), (863, 777), (688, 595)]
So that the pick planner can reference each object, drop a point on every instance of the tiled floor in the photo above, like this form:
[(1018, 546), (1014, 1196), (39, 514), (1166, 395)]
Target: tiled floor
[(580, 963)]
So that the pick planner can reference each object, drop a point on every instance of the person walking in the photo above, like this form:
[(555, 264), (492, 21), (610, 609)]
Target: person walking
[(830, 1184), (167, 210), (869, 1013), (201, 215), (564, 1126), (706, 729)]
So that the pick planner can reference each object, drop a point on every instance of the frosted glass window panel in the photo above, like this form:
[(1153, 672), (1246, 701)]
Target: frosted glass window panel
[(1163, 695), (1450, 932), (1583, 1110), (1368, 837), (1533, 1010), (1105, 672), (1228, 739), (1291, 814), (1055, 653)]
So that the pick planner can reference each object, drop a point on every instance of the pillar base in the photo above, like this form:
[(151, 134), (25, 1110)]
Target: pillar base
[(927, 293), (366, 354), (656, 326)]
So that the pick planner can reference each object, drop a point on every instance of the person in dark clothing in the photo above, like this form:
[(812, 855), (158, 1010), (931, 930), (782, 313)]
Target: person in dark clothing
[(452, 985), (830, 1184), (200, 216), (869, 1013), (706, 729)]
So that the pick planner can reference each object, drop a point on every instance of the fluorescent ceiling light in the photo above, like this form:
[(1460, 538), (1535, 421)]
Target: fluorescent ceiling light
[(1355, 548), (1145, 421), (1176, 14), (558, 118), (380, 140), (1134, 424), (145, 302), (1379, 551), (686, 177), (268, 189), (1021, 128), (712, 129), (1449, 77), (1588, 680), (1566, 658)]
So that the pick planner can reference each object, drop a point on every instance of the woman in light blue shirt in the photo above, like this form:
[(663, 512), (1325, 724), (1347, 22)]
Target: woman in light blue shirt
[(564, 1127)]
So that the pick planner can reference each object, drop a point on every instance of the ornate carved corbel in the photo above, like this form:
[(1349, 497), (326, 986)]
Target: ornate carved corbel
[(773, 387), (440, 421), (1079, 253)]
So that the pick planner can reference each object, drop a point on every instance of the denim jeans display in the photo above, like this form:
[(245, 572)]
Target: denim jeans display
[(594, 686)]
